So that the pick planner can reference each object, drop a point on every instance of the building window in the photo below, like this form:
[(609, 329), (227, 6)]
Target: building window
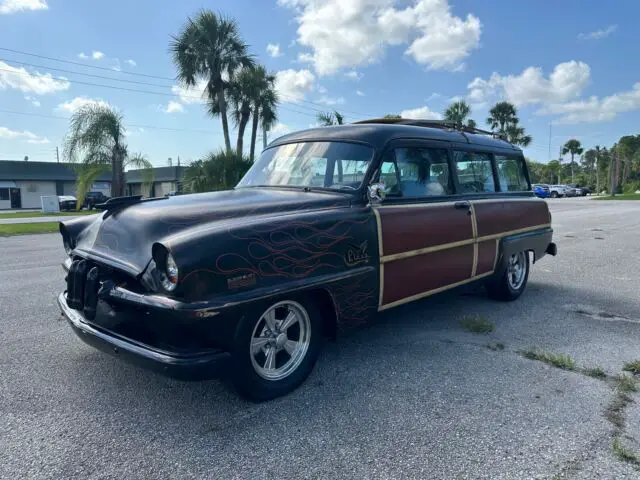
[(32, 187), (4, 194)]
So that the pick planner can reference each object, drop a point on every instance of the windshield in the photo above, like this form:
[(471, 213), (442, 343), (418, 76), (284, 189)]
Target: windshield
[(336, 165)]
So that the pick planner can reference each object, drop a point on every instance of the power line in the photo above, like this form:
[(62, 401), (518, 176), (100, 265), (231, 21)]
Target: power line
[(84, 64), (323, 107)]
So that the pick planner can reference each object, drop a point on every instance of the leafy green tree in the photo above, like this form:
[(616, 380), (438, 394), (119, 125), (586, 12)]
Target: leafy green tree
[(554, 167), (96, 144), (572, 147), (517, 135), (215, 171), (458, 113), (629, 150), (210, 47), (392, 116), (327, 119), (588, 161)]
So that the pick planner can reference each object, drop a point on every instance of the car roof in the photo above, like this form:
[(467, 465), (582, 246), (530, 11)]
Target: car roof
[(378, 133)]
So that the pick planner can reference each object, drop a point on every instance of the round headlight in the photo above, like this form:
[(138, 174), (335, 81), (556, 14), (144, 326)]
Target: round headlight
[(170, 277)]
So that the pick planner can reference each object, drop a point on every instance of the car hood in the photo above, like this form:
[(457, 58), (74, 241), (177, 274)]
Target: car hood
[(123, 238)]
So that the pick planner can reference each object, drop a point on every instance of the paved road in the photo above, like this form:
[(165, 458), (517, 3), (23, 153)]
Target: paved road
[(410, 396)]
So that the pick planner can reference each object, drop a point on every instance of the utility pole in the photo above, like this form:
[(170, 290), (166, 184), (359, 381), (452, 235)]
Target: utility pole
[(57, 155)]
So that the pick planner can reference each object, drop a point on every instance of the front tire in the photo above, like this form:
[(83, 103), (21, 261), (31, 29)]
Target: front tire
[(554, 194), (511, 281), (275, 347)]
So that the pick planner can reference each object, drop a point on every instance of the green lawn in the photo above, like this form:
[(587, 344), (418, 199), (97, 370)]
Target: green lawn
[(26, 228), (40, 214), (622, 196)]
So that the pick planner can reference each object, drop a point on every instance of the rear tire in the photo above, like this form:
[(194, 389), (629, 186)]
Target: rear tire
[(510, 282), (554, 194), (275, 347)]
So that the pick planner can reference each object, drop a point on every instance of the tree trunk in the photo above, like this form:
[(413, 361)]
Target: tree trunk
[(264, 138), (572, 179), (115, 175), (597, 175), (244, 119), (254, 132), (222, 103)]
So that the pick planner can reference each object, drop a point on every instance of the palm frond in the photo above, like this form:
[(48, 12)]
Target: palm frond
[(86, 176), (140, 161)]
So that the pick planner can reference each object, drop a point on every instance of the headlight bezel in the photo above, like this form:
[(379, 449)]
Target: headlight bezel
[(167, 269)]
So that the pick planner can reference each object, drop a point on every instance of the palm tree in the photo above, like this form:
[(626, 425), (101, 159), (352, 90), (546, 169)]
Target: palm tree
[(264, 106), (573, 147), (517, 136), (458, 112), (210, 47), (502, 115), (327, 119), (242, 92), (96, 142)]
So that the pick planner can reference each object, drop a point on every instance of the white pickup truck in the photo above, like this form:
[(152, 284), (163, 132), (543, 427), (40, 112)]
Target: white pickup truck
[(556, 191)]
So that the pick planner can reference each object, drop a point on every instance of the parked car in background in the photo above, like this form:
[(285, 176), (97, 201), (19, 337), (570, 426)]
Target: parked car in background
[(94, 198), (584, 191), (573, 192), (67, 202), (556, 191), (541, 191), (269, 269)]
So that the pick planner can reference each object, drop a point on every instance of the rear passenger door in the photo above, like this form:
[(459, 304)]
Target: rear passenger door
[(425, 236)]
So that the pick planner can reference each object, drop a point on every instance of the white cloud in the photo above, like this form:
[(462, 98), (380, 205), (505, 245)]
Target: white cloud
[(360, 93), (20, 78), (72, 105), (83, 56), (131, 63), (30, 137), (420, 113), (331, 101), (35, 102), (13, 6), (292, 85), (273, 49), (598, 34), (349, 34), (433, 96), (280, 129), (354, 75), (96, 55), (567, 81), (595, 109), (174, 107), (320, 89), (190, 95)]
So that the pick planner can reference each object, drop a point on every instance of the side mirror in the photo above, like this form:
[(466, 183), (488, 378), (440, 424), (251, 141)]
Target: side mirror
[(376, 192)]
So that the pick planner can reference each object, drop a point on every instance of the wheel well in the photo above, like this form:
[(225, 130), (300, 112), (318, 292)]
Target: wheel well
[(327, 308)]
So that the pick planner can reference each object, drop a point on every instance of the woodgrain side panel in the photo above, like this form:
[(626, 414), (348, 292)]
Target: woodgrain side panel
[(411, 276), (421, 226), (487, 251), (504, 215)]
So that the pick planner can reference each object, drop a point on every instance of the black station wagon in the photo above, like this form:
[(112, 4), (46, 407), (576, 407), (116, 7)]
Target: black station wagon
[(329, 226)]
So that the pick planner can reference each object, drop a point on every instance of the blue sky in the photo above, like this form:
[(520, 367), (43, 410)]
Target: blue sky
[(362, 57)]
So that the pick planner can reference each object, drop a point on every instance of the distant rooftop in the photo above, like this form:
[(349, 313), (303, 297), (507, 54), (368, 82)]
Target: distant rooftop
[(50, 171)]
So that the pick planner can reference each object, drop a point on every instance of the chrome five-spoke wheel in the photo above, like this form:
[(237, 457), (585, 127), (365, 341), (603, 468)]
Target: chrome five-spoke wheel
[(516, 270), (280, 340)]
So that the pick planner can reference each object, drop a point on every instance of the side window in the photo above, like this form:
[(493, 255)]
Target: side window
[(511, 174), (423, 172), (4, 194), (474, 172)]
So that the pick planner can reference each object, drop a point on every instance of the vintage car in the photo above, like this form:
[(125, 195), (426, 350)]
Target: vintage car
[(329, 226)]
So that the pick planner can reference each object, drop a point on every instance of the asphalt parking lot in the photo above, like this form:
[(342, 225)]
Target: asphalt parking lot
[(411, 395)]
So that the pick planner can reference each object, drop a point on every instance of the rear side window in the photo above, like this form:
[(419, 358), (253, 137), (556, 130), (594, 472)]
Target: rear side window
[(511, 174), (417, 172), (474, 171)]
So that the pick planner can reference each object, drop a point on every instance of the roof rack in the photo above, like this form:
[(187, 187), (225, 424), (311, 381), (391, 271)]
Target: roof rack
[(443, 124)]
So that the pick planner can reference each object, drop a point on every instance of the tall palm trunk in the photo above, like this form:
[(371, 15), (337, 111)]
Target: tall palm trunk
[(222, 104), (115, 175), (572, 179), (254, 131), (242, 125)]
